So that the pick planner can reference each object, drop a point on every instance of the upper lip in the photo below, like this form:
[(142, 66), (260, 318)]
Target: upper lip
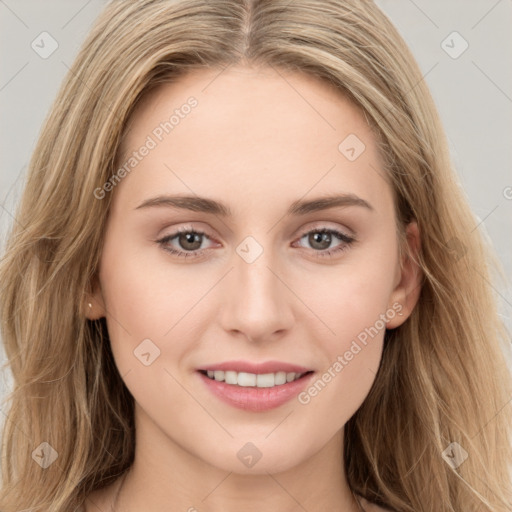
[(257, 368)]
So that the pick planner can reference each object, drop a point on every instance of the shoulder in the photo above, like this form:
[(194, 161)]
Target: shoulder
[(372, 507)]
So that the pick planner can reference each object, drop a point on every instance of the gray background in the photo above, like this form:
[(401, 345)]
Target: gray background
[(473, 94)]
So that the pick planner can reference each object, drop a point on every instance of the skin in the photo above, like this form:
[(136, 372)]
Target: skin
[(257, 141)]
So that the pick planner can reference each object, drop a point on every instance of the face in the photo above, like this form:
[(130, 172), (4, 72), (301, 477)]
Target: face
[(253, 278)]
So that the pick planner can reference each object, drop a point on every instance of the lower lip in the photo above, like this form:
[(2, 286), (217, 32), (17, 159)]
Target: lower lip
[(253, 398)]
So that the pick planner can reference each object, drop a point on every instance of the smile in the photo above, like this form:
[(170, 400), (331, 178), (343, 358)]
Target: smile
[(252, 386), (245, 379)]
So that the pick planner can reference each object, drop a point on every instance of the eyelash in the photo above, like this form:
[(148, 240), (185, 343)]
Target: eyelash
[(326, 253)]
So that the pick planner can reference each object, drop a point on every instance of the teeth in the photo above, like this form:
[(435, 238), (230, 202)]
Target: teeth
[(244, 379), (230, 377), (290, 377), (262, 380), (265, 380), (280, 378)]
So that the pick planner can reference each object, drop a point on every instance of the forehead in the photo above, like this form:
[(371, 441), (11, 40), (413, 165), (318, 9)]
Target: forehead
[(250, 95), (257, 127)]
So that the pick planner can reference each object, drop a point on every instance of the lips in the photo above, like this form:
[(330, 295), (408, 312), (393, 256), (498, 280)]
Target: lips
[(258, 368), (255, 386)]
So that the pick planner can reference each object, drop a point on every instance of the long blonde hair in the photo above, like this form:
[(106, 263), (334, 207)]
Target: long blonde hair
[(443, 377)]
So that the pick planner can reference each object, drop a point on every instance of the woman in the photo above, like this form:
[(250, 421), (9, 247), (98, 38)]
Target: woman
[(243, 276)]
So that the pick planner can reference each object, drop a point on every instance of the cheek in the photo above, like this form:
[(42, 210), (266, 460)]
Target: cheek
[(350, 297), (144, 301), (149, 310), (351, 305), (355, 314)]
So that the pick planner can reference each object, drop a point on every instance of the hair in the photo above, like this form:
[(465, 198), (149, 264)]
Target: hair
[(443, 376)]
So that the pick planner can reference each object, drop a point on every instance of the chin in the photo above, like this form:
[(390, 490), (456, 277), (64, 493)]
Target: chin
[(257, 458)]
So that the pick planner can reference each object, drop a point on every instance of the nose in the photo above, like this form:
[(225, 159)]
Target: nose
[(258, 304)]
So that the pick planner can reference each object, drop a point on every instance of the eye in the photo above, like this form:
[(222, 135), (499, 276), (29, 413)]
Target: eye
[(322, 239), (190, 240)]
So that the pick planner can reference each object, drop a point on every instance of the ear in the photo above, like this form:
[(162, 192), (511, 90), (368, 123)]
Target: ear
[(408, 277), (94, 303)]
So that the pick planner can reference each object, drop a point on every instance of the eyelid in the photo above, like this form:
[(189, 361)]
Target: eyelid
[(186, 228), (319, 225)]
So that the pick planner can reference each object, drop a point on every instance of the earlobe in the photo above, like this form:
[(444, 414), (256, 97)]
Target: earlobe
[(94, 305), (407, 291)]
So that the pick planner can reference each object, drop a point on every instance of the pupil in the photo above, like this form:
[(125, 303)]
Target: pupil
[(191, 238)]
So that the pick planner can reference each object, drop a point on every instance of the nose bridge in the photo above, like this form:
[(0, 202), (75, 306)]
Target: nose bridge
[(258, 302)]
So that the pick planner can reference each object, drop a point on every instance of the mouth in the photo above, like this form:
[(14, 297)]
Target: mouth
[(254, 380), (255, 387)]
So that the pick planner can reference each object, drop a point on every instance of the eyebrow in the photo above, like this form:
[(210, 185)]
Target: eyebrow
[(299, 207)]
